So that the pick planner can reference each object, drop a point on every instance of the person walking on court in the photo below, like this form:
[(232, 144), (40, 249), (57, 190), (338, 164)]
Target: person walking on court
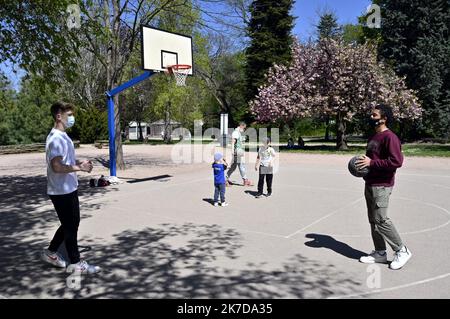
[(62, 188), (238, 155), (264, 162), (219, 166), (383, 157)]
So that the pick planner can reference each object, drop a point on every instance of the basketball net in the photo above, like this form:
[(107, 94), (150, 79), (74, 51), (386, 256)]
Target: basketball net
[(180, 73)]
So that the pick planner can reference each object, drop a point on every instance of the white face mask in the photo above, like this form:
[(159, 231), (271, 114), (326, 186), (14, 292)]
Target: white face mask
[(70, 121)]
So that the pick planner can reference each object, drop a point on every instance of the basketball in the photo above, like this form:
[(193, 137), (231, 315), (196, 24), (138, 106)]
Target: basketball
[(354, 170)]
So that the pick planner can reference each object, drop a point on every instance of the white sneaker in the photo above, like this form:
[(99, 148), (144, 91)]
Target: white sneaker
[(401, 257), (216, 204), (224, 204), (54, 259), (83, 267), (374, 257)]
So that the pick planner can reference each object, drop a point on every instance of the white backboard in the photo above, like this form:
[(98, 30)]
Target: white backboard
[(161, 49)]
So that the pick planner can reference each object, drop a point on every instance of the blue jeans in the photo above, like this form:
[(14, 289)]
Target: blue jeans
[(219, 188), (237, 162)]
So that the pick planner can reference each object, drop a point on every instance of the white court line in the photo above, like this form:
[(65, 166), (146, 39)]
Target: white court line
[(427, 175), (324, 188), (334, 212), (429, 204), (326, 216), (416, 181), (334, 297), (42, 209), (420, 282), (344, 172), (259, 233), (411, 232)]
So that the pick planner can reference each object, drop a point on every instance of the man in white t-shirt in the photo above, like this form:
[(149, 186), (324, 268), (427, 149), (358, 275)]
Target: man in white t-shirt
[(62, 188), (238, 155)]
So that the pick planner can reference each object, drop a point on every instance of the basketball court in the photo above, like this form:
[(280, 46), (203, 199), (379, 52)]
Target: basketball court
[(158, 235), (161, 237)]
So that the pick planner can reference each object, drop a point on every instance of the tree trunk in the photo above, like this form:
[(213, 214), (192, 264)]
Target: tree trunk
[(402, 132), (327, 127), (141, 137), (167, 134), (226, 108), (341, 143), (119, 152)]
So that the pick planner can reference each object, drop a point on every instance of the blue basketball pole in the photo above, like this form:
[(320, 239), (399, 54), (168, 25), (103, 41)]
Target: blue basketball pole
[(112, 136), (111, 123)]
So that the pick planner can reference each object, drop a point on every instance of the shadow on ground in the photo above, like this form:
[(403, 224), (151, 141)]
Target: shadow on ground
[(21, 193), (27, 218), (251, 193), (325, 241), (209, 200), (171, 261), (167, 261)]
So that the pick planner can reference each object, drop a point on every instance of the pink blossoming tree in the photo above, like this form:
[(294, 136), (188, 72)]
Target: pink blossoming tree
[(335, 79)]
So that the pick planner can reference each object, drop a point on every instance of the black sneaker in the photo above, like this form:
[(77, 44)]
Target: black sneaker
[(268, 194), (258, 195)]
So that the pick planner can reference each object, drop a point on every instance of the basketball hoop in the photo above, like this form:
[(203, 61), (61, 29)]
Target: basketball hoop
[(180, 72)]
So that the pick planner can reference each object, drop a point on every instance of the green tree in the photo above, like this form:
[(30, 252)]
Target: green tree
[(91, 124), (35, 35), (111, 29), (415, 39), (269, 30), (138, 106), (182, 104), (223, 73), (24, 116), (7, 106), (159, 98), (353, 34), (33, 102), (328, 26)]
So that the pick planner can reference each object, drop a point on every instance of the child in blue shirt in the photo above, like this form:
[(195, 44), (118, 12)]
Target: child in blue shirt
[(219, 166)]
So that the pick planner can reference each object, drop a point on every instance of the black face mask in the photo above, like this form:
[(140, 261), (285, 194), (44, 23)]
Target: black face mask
[(374, 122)]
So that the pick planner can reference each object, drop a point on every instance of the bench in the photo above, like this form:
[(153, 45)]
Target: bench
[(101, 143)]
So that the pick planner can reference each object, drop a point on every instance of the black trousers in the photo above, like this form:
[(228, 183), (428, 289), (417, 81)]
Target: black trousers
[(67, 207), (268, 173)]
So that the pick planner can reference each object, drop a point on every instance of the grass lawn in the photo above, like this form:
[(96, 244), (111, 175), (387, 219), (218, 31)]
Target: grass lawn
[(441, 150), (356, 146), (437, 150)]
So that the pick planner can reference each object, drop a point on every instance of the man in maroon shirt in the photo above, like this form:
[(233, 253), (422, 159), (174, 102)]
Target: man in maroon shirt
[(383, 157)]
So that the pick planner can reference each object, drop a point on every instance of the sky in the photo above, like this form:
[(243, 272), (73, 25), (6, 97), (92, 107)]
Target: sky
[(305, 11)]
